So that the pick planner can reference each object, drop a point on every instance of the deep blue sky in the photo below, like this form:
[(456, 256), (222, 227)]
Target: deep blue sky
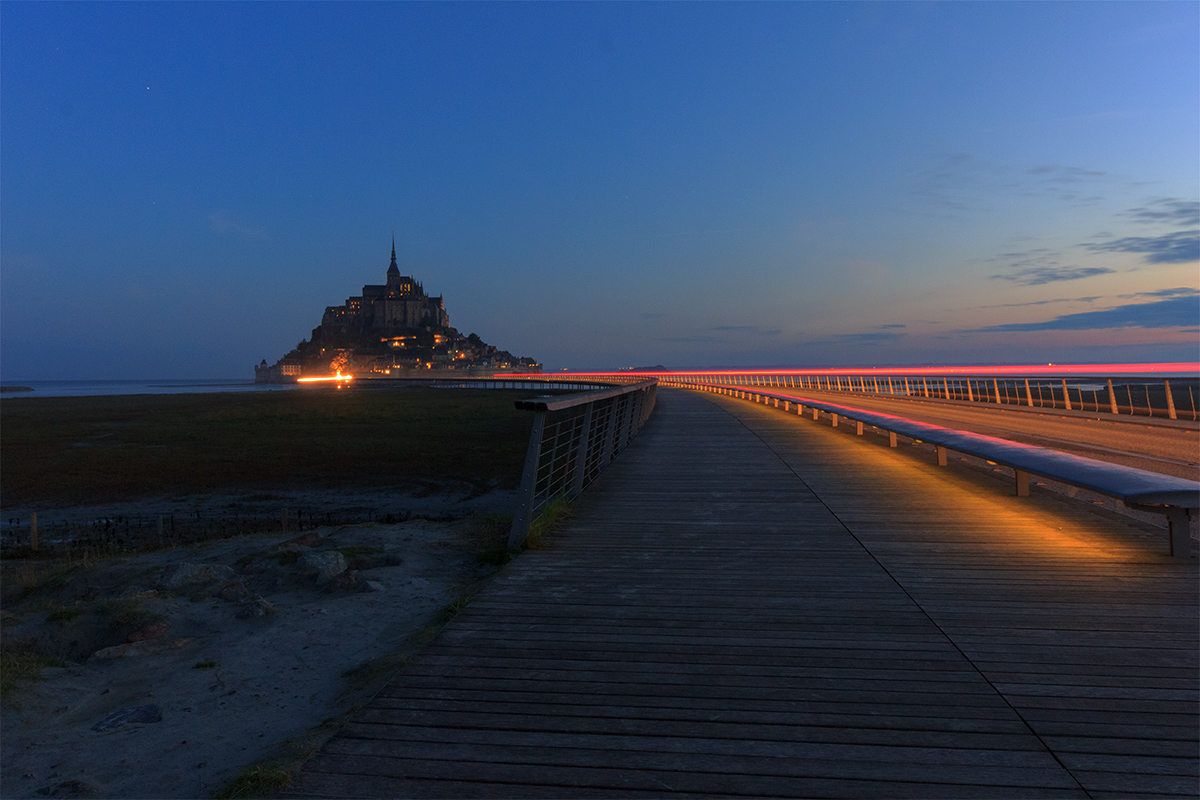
[(185, 186)]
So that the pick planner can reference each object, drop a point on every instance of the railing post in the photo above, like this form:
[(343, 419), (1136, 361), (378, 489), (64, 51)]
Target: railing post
[(970, 394), (524, 513), (996, 389), (1112, 397), (581, 452), (1178, 525), (1022, 480), (941, 455), (946, 386), (1170, 400), (835, 419), (858, 428), (891, 438), (1028, 394), (1066, 395)]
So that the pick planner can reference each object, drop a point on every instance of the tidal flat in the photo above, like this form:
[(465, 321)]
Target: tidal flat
[(123, 680)]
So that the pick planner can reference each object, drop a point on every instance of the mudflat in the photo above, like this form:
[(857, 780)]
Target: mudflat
[(193, 667)]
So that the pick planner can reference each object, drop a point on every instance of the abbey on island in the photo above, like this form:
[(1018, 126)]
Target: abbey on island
[(392, 329)]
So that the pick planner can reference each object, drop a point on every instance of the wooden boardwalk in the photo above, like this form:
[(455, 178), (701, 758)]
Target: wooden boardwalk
[(748, 604)]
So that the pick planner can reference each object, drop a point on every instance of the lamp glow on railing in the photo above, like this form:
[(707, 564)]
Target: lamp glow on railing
[(339, 378)]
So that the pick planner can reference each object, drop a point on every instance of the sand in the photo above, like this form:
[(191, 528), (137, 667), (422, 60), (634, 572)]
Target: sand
[(231, 691)]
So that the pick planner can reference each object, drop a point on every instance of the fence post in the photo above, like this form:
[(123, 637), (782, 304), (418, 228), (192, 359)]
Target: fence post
[(1028, 394), (581, 452), (1170, 400), (970, 394), (1066, 395), (524, 514), (1112, 397), (946, 386), (996, 389)]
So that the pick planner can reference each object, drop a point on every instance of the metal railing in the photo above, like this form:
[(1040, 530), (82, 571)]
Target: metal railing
[(574, 438), (1169, 398)]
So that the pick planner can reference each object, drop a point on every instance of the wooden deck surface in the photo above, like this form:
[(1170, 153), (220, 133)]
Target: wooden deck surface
[(751, 604)]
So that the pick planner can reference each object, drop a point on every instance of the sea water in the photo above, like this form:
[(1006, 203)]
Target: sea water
[(147, 386)]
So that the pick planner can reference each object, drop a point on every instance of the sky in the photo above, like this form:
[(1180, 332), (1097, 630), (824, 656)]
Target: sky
[(184, 187)]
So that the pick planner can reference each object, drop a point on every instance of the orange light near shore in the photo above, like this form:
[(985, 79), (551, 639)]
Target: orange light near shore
[(340, 378)]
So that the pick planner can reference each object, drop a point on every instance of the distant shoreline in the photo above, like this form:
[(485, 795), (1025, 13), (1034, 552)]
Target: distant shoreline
[(4, 389)]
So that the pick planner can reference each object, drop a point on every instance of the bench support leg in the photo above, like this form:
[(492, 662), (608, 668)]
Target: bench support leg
[(891, 438), (1178, 530), (1022, 483), (941, 455), (834, 419), (815, 412), (858, 428)]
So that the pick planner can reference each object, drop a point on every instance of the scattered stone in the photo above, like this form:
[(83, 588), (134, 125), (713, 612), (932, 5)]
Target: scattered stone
[(149, 713), (257, 566), (370, 586), (69, 789), (234, 592), (343, 581), (156, 631), (324, 564), (392, 558), (259, 608), (189, 575), (368, 561), (295, 543), (142, 648)]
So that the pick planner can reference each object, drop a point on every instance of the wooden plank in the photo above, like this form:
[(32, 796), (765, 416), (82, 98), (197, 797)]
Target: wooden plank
[(749, 604)]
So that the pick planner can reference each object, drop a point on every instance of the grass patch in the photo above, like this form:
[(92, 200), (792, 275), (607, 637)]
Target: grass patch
[(555, 512), (20, 662), (260, 780), (372, 673), (72, 450), (65, 614)]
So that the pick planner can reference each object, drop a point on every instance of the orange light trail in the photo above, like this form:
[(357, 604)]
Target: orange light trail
[(339, 378)]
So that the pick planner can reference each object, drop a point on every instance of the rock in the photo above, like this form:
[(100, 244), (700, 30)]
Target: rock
[(392, 558), (257, 566), (156, 631), (69, 789), (304, 540), (370, 586), (150, 713), (259, 608), (324, 564), (192, 575), (343, 581), (234, 592), (142, 648)]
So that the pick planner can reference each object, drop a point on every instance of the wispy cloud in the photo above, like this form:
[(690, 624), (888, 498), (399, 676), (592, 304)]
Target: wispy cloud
[(1037, 276), (1169, 210), (1170, 313), (1186, 291), (221, 222), (1047, 302), (1180, 247), (752, 329)]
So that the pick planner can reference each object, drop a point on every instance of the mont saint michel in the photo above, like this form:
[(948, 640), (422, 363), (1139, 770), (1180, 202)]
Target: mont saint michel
[(391, 330)]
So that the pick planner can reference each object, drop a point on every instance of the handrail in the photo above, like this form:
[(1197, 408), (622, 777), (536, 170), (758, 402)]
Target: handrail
[(1144, 394), (1176, 498), (567, 454)]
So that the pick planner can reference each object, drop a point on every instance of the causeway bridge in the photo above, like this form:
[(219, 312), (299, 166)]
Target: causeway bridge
[(750, 603)]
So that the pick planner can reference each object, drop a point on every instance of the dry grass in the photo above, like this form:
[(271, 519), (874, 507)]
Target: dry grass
[(70, 450)]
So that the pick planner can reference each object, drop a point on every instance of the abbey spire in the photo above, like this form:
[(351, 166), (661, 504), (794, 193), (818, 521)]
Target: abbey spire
[(393, 269)]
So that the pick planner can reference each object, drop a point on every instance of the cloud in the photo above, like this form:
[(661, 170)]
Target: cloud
[(893, 326), (1181, 247), (1036, 276), (1171, 210), (1170, 313), (222, 222), (872, 337), (1046, 302), (653, 315), (1180, 290), (754, 329)]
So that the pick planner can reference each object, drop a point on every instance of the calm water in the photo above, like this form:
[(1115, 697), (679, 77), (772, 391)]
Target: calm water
[(82, 388)]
